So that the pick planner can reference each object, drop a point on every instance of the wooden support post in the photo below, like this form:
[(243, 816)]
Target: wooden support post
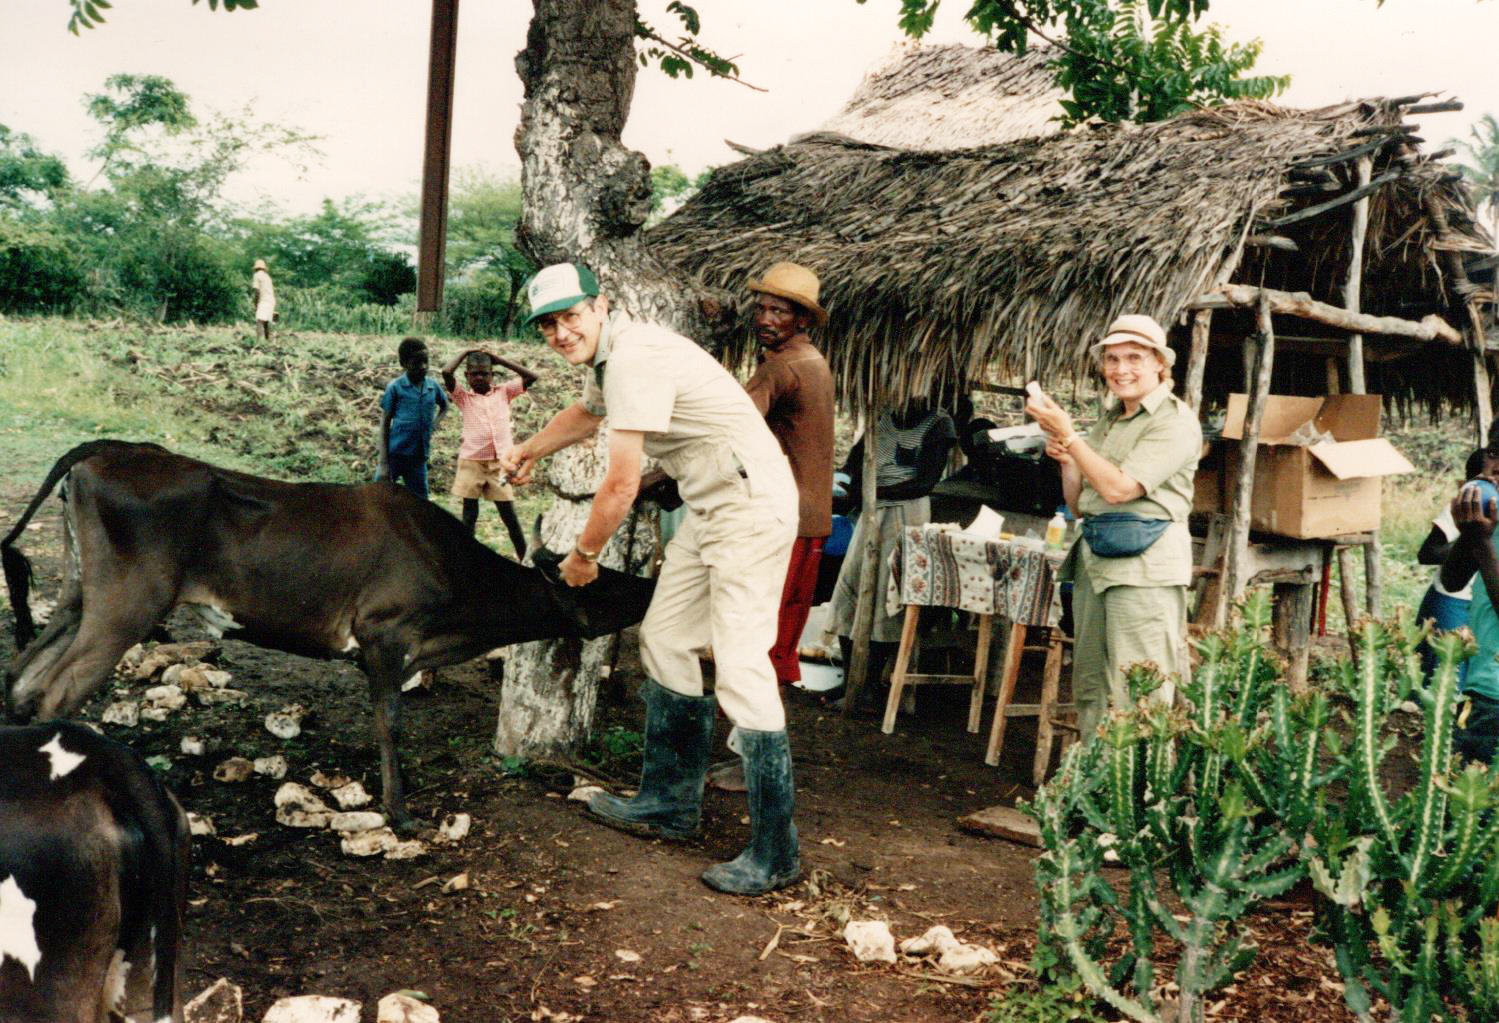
[(1197, 358), (1483, 396), (1353, 284), (433, 232), (1293, 629), (1234, 572), (1202, 323), (869, 567)]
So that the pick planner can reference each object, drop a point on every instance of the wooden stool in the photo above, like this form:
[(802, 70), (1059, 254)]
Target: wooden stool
[(900, 677), (1045, 712)]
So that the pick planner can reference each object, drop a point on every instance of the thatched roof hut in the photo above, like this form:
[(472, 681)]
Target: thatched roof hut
[(1009, 260), (952, 97)]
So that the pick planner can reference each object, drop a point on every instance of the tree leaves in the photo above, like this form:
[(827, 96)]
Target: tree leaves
[(86, 13)]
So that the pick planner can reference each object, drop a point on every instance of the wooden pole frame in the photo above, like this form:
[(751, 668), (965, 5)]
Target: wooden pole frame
[(1202, 324), (1235, 567), (437, 155), (869, 568)]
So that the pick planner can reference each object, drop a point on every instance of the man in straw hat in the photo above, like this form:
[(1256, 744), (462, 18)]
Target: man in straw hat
[(1130, 477), (793, 389), (263, 294), (723, 573)]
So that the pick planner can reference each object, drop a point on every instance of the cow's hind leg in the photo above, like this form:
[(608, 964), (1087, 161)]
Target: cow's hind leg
[(385, 667), (103, 637), (43, 653)]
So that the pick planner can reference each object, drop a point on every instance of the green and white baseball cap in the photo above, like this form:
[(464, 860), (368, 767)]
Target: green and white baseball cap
[(558, 287)]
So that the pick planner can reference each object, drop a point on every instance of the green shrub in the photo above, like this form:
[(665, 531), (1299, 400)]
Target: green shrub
[(39, 271)]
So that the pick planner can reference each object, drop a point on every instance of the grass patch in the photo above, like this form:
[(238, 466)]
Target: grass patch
[(304, 407)]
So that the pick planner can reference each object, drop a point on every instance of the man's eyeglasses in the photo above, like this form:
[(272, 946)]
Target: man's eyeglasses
[(572, 319)]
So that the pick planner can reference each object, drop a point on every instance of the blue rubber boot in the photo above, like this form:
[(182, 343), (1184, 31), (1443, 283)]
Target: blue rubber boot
[(678, 737), (771, 859)]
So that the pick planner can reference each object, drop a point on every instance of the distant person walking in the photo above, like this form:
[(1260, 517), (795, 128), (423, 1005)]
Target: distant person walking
[(485, 408), (408, 422), (263, 294)]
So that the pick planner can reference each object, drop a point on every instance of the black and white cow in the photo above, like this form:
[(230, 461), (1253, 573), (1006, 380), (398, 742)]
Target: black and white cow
[(93, 881)]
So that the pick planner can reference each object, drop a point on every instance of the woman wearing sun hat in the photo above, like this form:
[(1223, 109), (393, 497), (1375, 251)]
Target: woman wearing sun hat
[(263, 294), (1130, 479)]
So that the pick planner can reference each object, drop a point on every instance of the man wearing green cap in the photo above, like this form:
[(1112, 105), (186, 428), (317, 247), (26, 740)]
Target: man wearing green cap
[(720, 584)]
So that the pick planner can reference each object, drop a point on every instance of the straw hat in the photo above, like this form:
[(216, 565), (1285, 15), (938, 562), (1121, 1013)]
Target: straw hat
[(1139, 329), (260, 265), (795, 284)]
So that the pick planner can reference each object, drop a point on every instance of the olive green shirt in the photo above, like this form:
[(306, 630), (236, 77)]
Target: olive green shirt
[(1158, 448)]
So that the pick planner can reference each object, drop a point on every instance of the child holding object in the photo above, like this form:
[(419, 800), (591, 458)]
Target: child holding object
[(485, 408), (1449, 609), (408, 420)]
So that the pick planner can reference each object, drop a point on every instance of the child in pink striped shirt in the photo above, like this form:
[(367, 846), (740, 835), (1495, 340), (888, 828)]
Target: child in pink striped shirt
[(486, 435)]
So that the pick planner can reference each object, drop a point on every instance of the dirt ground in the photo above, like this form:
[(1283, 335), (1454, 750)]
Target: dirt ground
[(567, 920)]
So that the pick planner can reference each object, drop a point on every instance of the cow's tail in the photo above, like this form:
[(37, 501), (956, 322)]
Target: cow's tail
[(17, 566)]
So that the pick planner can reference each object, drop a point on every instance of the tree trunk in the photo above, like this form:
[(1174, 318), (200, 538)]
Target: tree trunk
[(585, 199), (586, 195), (551, 687)]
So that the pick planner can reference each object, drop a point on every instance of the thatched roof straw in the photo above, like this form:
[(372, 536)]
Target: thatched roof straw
[(952, 97), (1010, 260)]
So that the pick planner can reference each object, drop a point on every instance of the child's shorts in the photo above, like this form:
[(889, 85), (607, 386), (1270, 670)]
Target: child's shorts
[(481, 479)]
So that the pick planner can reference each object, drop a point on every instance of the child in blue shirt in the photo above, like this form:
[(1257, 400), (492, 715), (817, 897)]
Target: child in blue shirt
[(1476, 732), (408, 422)]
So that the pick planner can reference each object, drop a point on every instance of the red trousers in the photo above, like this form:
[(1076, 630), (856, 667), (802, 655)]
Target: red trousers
[(796, 602)]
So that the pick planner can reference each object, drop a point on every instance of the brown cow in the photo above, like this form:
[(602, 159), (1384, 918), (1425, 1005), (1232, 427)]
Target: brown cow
[(369, 572), (94, 858)]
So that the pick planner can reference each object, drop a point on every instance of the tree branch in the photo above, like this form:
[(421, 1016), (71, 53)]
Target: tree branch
[(644, 31)]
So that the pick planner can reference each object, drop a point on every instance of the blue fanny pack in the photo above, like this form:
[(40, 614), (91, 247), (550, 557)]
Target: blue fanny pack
[(1121, 534)]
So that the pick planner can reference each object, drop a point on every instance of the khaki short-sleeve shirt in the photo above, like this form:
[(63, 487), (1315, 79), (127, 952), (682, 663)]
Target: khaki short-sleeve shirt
[(699, 423), (1158, 447)]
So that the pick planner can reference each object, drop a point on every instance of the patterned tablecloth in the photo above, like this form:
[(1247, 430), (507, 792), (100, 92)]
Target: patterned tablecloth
[(948, 568)]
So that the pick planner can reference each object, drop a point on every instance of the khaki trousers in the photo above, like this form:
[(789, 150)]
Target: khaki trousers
[(1121, 626), (720, 585)]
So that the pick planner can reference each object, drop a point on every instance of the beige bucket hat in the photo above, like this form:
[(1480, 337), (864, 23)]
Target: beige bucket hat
[(260, 265), (1140, 329), (795, 283)]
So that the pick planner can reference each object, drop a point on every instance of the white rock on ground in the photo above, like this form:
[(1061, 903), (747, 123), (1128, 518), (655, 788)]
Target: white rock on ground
[(870, 941), (286, 723), (330, 781), (313, 1009), (455, 827), (125, 713), (369, 843), (954, 956), (152, 712), (215, 677), (172, 674), (357, 820), (399, 1008), (408, 850), (192, 746), (583, 793), (297, 807), (349, 796), (198, 824), (221, 1002), (131, 659), (272, 767), (234, 769), (208, 697)]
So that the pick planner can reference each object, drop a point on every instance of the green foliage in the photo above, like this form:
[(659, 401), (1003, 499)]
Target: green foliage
[(1066, 1001), (678, 58), (39, 271), (89, 13), (27, 175), (1118, 60), (1482, 167), (1200, 805), (344, 246)]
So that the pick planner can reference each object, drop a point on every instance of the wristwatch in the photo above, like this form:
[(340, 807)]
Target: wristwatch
[(589, 556)]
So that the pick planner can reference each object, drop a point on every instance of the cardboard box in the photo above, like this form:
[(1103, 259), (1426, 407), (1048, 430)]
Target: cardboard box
[(1325, 489), (1207, 485)]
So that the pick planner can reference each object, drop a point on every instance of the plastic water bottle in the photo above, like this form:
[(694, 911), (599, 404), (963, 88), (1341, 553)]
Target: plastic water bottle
[(1056, 530)]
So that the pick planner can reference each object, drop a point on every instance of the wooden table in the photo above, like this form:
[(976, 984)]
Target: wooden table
[(936, 567)]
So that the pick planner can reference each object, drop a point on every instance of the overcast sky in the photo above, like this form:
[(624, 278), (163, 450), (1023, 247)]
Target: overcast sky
[(354, 71)]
